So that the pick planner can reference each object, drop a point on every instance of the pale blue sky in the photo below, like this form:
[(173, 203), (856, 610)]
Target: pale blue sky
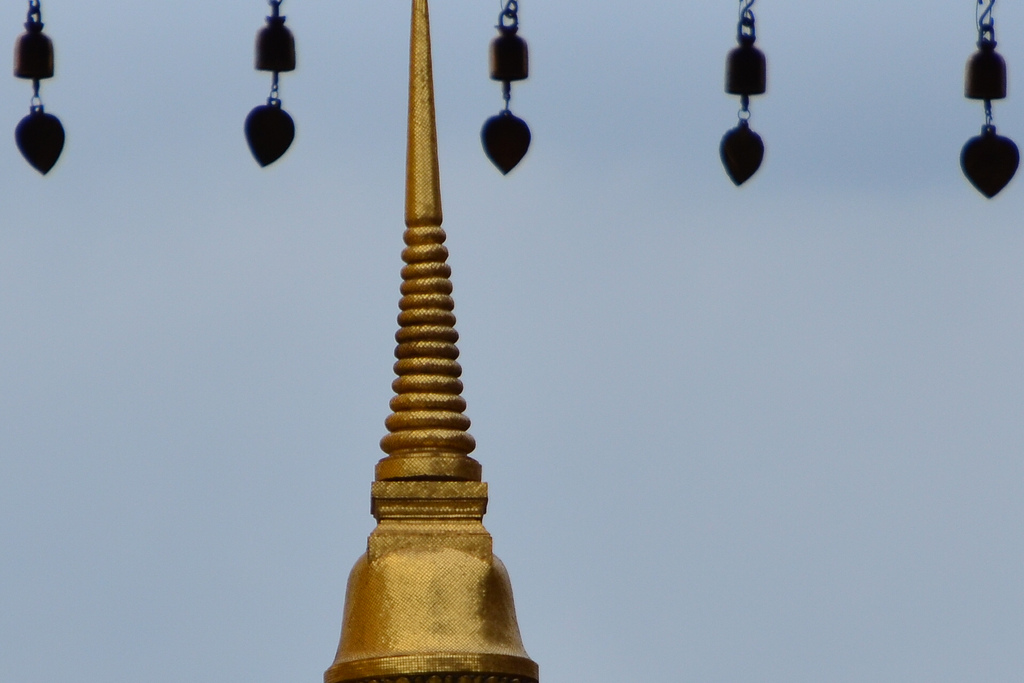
[(762, 434)]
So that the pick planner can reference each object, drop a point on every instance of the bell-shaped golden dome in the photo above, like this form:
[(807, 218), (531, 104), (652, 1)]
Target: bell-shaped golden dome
[(429, 598)]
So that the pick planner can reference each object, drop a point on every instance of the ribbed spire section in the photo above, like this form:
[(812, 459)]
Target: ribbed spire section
[(428, 437)]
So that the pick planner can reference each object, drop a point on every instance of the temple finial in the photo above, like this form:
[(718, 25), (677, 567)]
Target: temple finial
[(427, 431), (428, 602)]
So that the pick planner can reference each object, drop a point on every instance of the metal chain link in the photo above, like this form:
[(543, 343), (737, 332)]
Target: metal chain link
[(275, 90), (746, 29), (744, 113), (35, 12), (511, 14), (986, 24)]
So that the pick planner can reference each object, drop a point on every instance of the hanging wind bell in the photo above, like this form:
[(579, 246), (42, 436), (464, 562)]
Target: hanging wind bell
[(506, 137), (988, 160), (40, 136), (268, 128), (746, 74)]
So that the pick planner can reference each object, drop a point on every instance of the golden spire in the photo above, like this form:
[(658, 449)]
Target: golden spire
[(428, 435), (428, 602)]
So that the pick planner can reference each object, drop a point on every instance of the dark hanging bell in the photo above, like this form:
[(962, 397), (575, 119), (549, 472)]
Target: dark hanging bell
[(33, 53), (986, 73), (746, 71), (275, 46), (510, 58)]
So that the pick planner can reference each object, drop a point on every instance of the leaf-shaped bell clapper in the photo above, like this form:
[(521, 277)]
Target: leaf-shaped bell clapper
[(506, 139), (989, 161), (40, 138), (33, 53), (986, 73), (510, 58), (270, 131), (746, 71), (742, 151), (275, 46)]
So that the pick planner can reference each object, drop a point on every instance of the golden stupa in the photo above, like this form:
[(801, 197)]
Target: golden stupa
[(428, 602)]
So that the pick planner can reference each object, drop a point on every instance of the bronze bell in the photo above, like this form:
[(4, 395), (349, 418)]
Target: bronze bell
[(510, 58), (33, 53), (746, 70), (275, 46), (986, 73)]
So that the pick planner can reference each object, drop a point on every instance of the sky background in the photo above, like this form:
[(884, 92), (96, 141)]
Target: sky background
[(762, 434)]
